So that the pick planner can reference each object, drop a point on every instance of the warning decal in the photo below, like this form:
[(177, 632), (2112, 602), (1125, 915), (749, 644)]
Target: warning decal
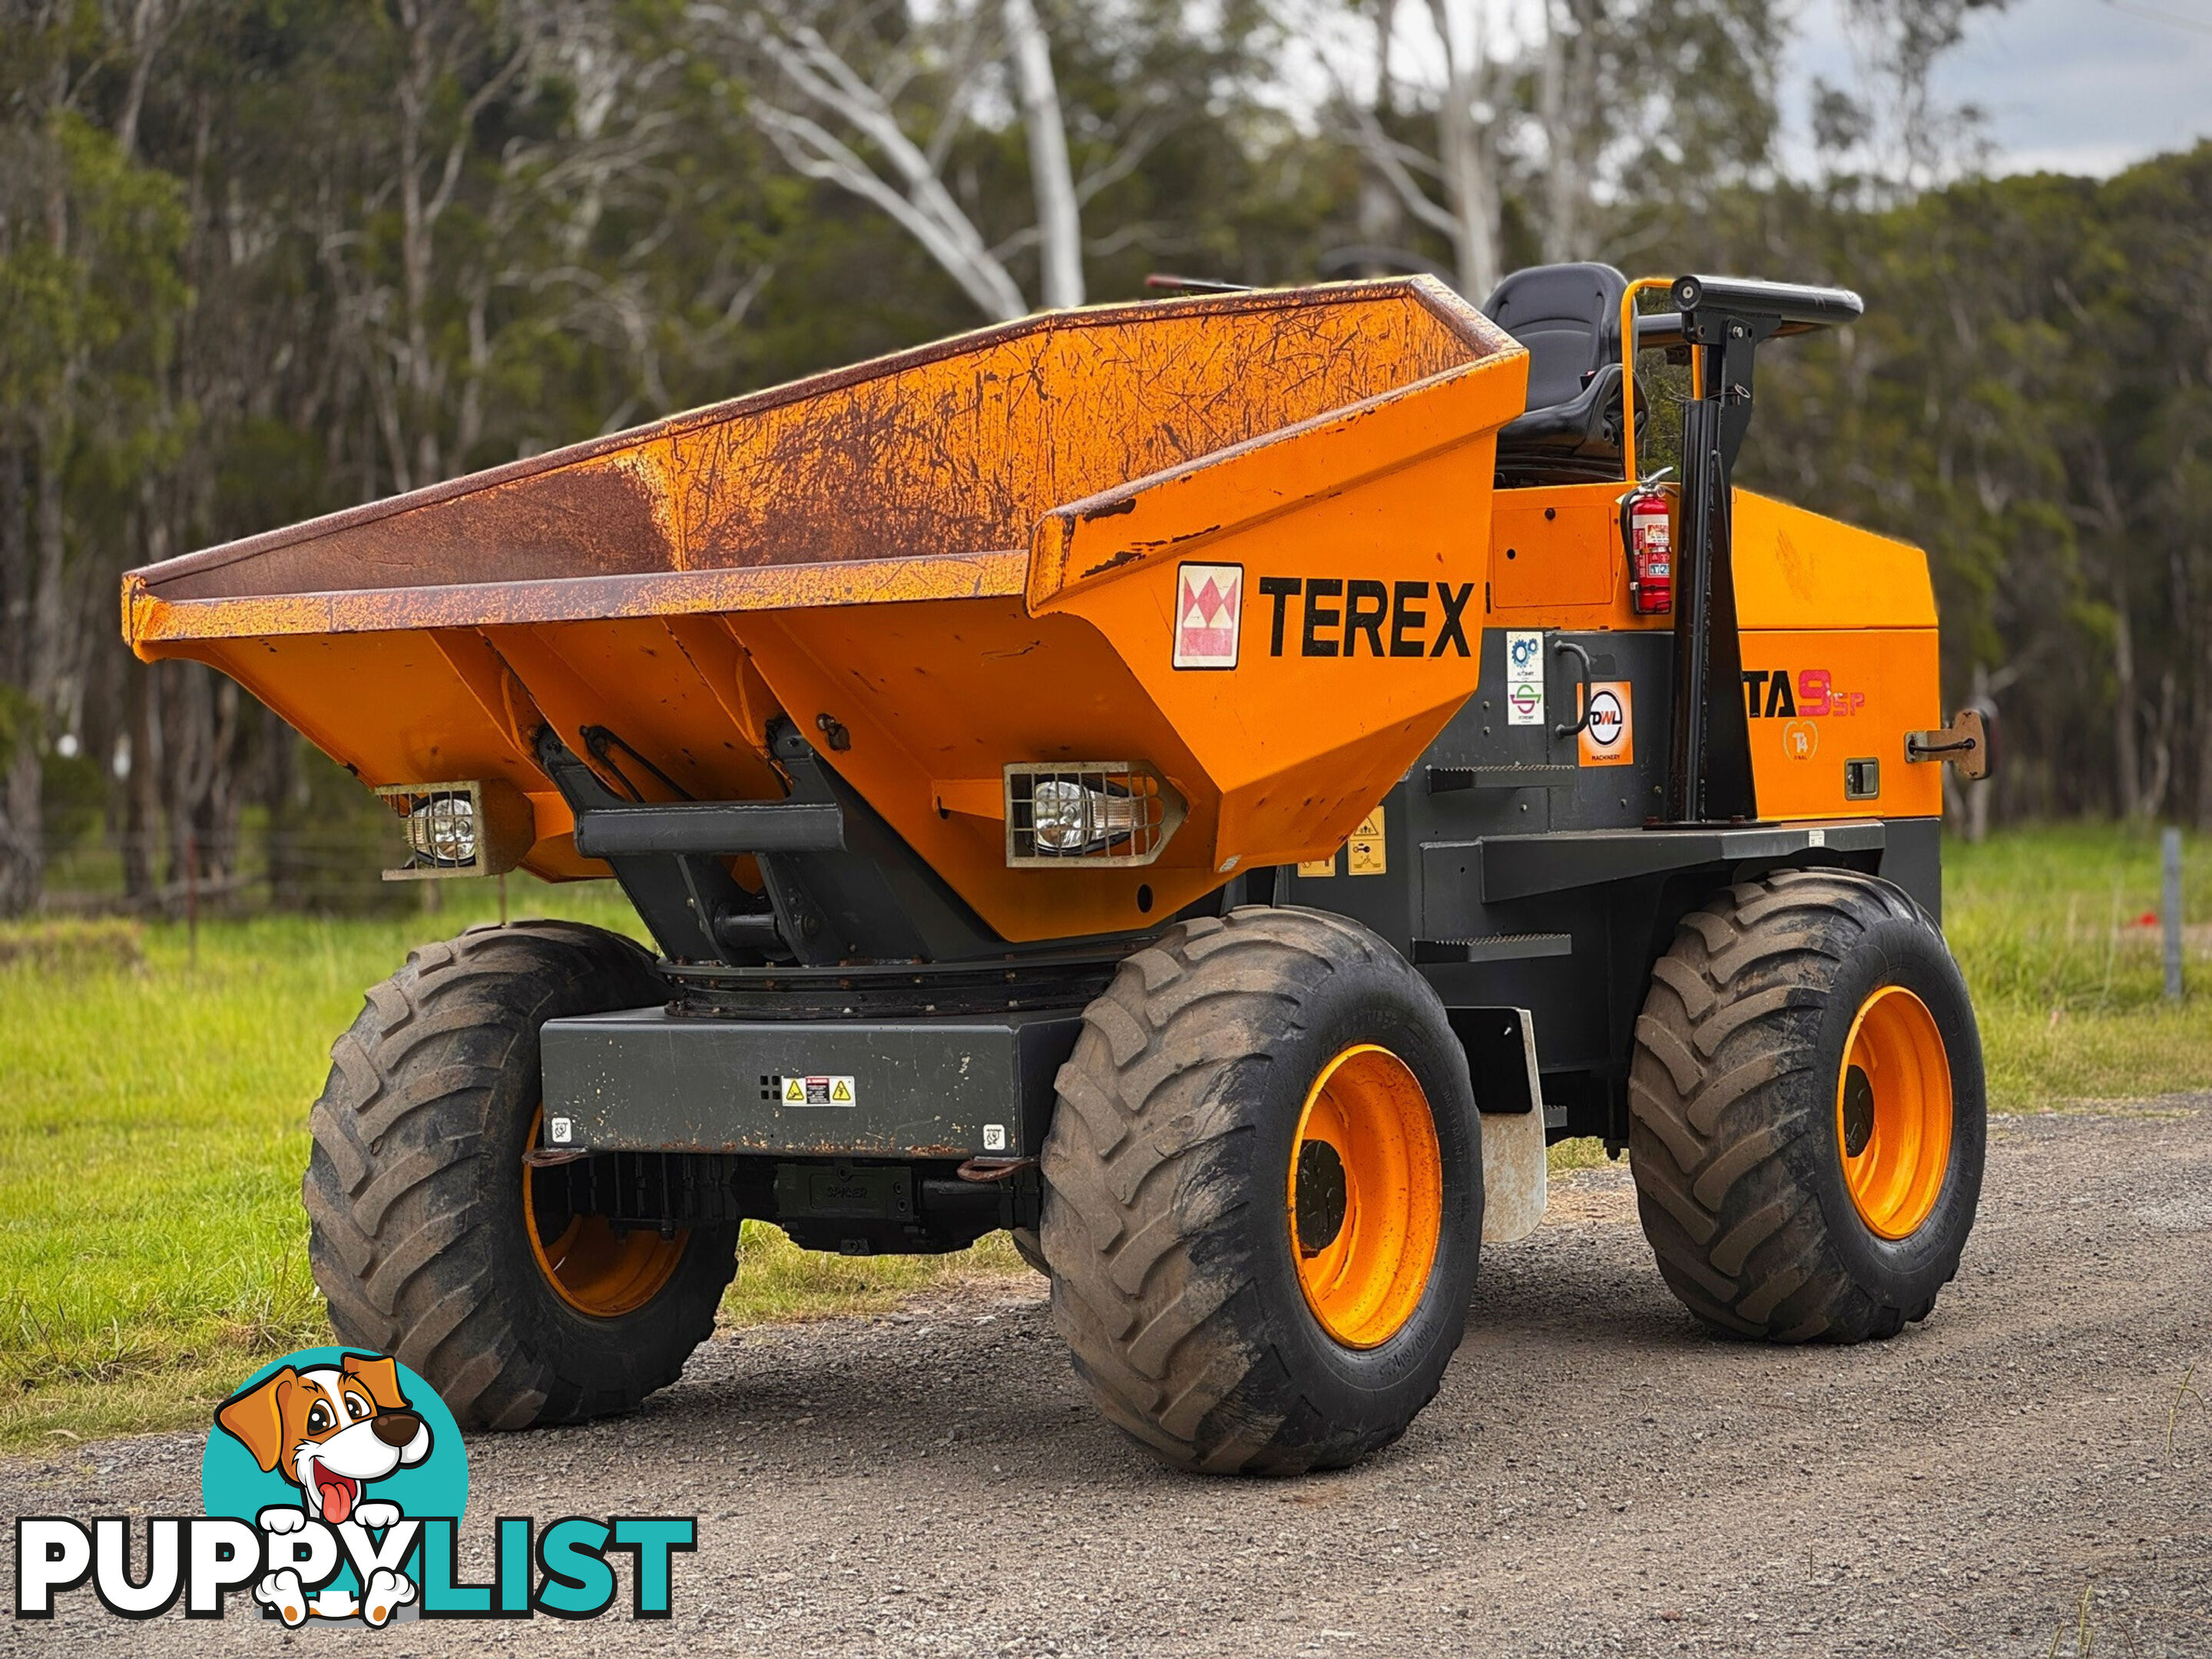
[(1609, 739), (1524, 678), (1209, 608), (818, 1091), (1364, 852)]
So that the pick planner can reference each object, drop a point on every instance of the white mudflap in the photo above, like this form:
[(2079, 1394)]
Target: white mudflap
[(1514, 1182)]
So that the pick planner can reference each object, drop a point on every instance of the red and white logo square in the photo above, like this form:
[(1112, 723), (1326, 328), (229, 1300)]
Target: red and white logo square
[(1209, 610)]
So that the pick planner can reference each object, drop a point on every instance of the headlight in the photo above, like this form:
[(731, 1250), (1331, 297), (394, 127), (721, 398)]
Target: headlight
[(477, 827), (443, 830), (1070, 818), (1098, 811)]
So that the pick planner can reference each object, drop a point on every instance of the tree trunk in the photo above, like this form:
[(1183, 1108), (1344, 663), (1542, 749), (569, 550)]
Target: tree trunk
[(2161, 750), (2203, 723), (14, 566), (142, 798), (290, 872), (1566, 94), (22, 862), (22, 840), (1471, 181), (2127, 760), (1981, 795), (1059, 227)]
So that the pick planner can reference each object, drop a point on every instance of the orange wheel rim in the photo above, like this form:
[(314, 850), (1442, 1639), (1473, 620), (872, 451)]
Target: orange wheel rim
[(593, 1268), (1366, 1195), (1893, 1112)]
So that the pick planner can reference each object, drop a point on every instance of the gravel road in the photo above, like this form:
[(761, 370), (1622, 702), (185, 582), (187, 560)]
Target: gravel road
[(1597, 1476)]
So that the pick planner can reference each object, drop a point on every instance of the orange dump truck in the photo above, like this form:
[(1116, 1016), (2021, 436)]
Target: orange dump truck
[(1214, 786)]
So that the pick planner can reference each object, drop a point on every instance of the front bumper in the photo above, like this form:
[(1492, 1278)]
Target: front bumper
[(945, 1087)]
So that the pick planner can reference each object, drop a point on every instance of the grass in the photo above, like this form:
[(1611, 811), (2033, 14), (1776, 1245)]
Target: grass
[(152, 1129), (153, 1101), (2068, 980)]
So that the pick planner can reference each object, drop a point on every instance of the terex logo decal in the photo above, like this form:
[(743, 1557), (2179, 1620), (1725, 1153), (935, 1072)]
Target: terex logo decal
[(1334, 616), (1209, 612)]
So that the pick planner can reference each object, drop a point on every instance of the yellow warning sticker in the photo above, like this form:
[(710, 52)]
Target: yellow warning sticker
[(1319, 867), (818, 1091), (1364, 852)]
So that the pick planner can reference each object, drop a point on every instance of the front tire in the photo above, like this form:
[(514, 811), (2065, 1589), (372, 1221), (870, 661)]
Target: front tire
[(434, 1243), (1263, 1195), (1807, 1118)]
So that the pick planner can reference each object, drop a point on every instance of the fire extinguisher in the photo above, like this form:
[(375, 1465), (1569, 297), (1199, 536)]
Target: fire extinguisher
[(1645, 530)]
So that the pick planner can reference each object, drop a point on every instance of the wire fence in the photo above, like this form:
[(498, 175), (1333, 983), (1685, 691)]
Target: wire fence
[(252, 868)]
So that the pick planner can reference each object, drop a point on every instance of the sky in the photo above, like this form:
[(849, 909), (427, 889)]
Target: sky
[(2072, 86), (2067, 86)]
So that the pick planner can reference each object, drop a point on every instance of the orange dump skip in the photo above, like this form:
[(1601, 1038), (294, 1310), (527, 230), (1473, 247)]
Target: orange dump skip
[(1067, 538)]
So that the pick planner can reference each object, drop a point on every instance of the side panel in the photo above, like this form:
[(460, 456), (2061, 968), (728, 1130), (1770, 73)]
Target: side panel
[(1798, 569), (1829, 711), (1839, 659)]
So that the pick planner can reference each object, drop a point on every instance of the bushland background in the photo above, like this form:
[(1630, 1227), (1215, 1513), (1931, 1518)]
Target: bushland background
[(264, 259)]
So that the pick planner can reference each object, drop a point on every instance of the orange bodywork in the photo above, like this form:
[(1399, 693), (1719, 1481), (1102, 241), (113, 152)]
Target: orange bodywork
[(971, 555), (1848, 618), (967, 556), (1845, 621)]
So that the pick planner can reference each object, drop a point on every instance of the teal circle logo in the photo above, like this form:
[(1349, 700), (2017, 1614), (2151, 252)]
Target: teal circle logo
[(332, 1446)]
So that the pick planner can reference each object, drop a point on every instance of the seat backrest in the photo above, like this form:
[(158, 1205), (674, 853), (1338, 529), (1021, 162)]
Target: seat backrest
[(1569, 317)]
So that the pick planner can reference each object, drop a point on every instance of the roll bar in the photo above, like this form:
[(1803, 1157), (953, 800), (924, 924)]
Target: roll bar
[(1718, 323), (1784, 302), (1796, 310)]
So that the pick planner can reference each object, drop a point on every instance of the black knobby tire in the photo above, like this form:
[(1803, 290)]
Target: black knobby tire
[(1166, 1217), (1733, 1109), (415, 1186), (1029, 1248)]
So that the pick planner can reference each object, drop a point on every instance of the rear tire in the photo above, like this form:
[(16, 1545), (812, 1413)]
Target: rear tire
[(1210, 1324), (1030, 1249), (1751, 1127), (420, 1238)]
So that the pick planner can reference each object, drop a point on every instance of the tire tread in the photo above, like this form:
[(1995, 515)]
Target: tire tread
[(1716, 1118)]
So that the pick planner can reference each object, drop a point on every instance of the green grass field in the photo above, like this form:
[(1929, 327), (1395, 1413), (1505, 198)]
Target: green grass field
[(153, 1114)]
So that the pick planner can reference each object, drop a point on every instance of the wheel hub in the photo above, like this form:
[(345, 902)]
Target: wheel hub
[(1322, 1196), (595, 1267), (1365, 1196), (1893, 1112), (1858, 1111)]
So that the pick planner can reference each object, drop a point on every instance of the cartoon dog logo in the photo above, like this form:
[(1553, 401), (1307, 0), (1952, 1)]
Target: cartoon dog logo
[(330, 1430)]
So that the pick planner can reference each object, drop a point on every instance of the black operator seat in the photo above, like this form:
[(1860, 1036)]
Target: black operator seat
[(1569, 317)]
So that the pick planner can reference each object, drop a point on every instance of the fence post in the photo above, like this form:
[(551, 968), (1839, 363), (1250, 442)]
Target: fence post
[(2171, 847)]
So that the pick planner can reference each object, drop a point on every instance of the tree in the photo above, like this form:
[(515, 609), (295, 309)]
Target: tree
[(88, 287), (832, 122), (1562, 123), (1892, 135)]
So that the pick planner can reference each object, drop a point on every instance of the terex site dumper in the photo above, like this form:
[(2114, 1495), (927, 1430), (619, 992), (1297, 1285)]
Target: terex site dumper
[(1213, 784)]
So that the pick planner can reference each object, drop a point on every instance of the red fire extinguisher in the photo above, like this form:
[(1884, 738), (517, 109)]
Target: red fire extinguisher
[(1645, 529)]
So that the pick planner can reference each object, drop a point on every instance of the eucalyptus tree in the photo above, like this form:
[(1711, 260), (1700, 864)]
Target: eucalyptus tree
[(1549, 129)]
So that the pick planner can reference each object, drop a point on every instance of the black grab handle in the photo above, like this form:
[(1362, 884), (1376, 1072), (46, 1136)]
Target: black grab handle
[(1589, 690)]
